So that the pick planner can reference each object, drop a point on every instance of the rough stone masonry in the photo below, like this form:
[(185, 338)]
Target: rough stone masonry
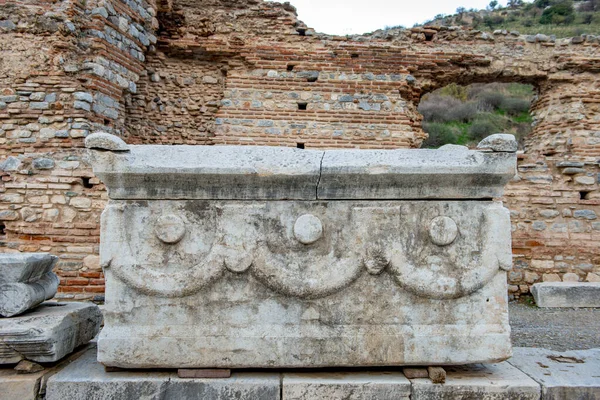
[(248, 72)]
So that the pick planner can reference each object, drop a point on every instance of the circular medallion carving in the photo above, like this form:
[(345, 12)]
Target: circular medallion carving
[(170, 228), (308, 229), (443, 231)]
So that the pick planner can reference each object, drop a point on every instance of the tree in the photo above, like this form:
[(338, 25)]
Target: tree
[(560, 13), (590, 5), (514, 3), (461, 10), (493, 4), (542, 3)]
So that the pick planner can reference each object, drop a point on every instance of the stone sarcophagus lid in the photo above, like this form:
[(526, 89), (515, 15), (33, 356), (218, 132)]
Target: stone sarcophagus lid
[(237, 256)]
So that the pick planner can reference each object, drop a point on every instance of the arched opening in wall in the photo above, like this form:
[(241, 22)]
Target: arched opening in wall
[(464, 115)]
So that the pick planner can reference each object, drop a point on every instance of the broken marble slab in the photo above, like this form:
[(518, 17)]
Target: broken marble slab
[(26, 280), (86, 378), (49, 332), (568, 375)]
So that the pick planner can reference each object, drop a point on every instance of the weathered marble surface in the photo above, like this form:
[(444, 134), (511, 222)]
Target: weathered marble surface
[(257, 296), (563, 375), (26, 280), (48, 333), (85, 379), (482, 382), (380, 385), (316, 270), (279, 173), (566, 294)]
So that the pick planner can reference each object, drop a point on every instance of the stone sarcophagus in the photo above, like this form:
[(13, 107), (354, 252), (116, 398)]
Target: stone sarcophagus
[(236, 257)]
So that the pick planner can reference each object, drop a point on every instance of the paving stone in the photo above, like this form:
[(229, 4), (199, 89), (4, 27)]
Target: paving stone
[(569, 375), (566, 294), (15, 386), (412, 373), (86, 379), (478, 381), (345, 385)]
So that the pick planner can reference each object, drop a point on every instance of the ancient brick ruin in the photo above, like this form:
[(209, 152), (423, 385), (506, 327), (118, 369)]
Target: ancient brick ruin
[(248, 72)]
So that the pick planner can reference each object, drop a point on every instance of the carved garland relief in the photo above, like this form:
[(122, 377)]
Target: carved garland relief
[(438, 250)]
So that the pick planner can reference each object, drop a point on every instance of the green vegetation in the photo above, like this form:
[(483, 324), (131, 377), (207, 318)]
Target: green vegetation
[(562, 18), (466, 114)]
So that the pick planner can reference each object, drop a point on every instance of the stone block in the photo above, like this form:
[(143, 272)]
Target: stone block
[(43, 163), (345, 385), (26, 280), (198, 276), (570, 375), (86, 378), (499, 142), (256, 301), (414, 174), (105, 141), (48, 333), (209, 172), (566, 294), (14, 386), (478, 381)]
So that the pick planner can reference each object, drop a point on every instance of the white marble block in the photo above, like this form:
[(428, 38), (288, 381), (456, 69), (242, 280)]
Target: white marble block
[(48, 333), (236, 257), (26, 280)]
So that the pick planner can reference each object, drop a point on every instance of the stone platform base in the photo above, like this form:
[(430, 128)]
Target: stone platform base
[(49, 332), (566, 294), (532, 374)]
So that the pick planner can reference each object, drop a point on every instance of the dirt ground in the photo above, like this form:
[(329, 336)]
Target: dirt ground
[(557, 329)]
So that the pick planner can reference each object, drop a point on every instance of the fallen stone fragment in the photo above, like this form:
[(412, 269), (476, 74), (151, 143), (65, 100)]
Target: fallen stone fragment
[(26, 280), (203, 373), (437, 374), (49, 332), (105, 141), (500, 142), (412, 373), (28, 367), (345, 385)]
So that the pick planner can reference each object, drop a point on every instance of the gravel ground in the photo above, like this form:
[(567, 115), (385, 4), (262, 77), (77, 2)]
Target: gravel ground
[(555, 329)]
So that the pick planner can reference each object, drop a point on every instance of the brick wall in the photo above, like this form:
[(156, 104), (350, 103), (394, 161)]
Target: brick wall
[(248, 72)]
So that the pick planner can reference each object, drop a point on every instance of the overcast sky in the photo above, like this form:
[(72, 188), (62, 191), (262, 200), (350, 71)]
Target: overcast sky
[(361, 16)]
